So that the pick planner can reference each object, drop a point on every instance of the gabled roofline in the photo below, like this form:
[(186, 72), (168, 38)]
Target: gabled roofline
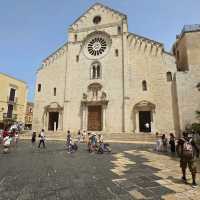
[(100, 4)]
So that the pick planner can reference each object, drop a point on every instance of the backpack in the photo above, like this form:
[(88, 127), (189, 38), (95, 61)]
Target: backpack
[(187, 152)]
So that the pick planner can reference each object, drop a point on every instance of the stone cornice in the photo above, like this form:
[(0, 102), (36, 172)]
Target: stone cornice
[(145, 44), (52, 57)]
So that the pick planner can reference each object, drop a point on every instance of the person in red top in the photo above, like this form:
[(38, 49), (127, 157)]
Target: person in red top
[(5, 133)]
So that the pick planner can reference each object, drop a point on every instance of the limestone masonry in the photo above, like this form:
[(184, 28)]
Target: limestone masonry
[(108, 79)]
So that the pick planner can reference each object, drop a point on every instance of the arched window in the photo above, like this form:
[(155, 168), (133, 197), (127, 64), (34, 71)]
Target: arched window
[(144, 85), (169, 76), (54, 91), (77, 58), (95, 70), (39, 87), (98, 71), (75, 38), (116, 52), (119, 29)]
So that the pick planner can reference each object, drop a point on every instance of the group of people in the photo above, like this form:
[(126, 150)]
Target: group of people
[(93, 141), (186, 149), (163, 143), (9, 138)]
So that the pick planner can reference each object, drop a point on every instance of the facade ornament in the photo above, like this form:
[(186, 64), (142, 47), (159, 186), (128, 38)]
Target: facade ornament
[(84, 96), (103, 95)]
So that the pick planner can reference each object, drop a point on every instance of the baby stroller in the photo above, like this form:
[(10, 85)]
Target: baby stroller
[(104, 148)]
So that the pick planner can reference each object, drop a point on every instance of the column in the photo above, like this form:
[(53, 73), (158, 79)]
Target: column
[(137, 130), (60, 121), (153, 121), (104, 117), (46, 121), (84, 117)]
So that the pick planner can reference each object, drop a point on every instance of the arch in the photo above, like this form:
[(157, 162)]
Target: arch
[(143, 115)]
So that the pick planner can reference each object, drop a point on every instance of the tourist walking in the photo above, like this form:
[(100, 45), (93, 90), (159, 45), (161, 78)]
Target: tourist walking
[(172, 143), (188, 153), (164, 143), (42, 138)]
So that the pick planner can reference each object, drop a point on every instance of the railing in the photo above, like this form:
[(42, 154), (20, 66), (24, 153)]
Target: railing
[(9, 116), (12, 100)]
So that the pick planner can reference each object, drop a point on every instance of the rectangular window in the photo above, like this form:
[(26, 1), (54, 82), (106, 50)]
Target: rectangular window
[(39, 87), (77, 58), (54, 91), (10, 111), (12, 94)]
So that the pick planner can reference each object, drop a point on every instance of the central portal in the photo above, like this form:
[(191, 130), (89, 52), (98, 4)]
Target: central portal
[(53, 120), (94, 118), (145, 121)]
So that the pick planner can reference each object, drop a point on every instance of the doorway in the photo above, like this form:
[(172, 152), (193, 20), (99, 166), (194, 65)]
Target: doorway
[(53, 118), (94, 118), (145, 121)]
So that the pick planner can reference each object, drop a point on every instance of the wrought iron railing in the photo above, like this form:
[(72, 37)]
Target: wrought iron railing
[(9, 116), (12, 100)]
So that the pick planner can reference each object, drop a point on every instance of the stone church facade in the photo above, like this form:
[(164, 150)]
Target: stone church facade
[(110, 80)]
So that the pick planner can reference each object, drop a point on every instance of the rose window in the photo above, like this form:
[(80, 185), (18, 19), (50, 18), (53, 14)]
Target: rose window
[(97, 45)]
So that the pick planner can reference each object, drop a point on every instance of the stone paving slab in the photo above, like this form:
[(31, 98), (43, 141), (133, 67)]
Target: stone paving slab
[(131, 171)]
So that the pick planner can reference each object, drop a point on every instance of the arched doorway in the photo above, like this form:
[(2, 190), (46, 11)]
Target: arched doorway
[(52, 118), (94, 105), (144, 114)]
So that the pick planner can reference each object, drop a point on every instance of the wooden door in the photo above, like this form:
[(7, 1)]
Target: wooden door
[(94, 118)]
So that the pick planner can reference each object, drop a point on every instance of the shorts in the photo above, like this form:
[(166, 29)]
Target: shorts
[(190, 163)]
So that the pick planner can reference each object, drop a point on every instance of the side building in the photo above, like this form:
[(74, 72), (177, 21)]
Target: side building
[(29, 115), (186, 50), (13, 99)]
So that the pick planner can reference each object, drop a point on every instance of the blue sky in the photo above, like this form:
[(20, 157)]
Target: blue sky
[(32, 29)]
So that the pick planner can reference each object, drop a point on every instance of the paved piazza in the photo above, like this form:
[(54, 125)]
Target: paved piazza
[(132, 171)]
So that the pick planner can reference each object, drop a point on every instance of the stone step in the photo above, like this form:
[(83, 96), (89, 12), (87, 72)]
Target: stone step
[(107, 136)]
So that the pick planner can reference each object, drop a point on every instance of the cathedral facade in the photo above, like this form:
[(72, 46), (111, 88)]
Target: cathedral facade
[(110, 80)]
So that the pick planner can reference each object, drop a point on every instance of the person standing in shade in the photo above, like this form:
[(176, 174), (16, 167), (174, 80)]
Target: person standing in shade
[(42, 139), (33, 139), (172, 143)]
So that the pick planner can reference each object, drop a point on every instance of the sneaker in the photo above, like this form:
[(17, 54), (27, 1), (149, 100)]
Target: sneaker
[(194, 185), (184, 180)]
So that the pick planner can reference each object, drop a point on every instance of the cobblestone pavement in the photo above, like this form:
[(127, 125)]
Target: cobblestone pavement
[(132, 171)]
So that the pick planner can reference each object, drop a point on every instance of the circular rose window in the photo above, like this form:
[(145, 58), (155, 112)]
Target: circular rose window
[(97, 45)]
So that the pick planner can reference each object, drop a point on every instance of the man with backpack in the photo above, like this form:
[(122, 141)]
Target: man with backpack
[(188, 152)]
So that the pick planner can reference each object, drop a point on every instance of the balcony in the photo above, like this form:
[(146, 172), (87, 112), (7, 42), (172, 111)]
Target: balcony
[(9, 116), (11, 100)]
